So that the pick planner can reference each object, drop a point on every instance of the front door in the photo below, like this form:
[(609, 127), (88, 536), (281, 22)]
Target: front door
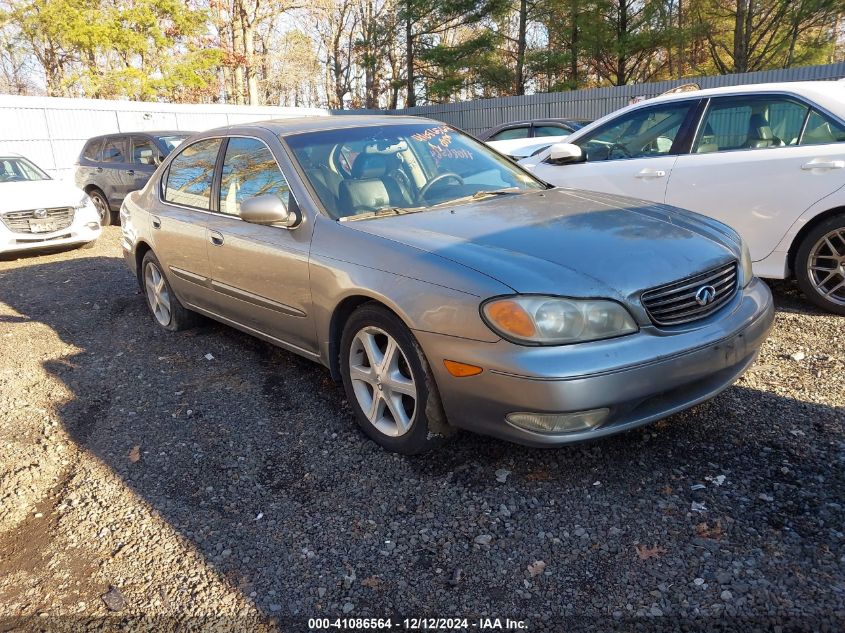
[(632, 155), (260, 273), (753, 168), (180, 223)]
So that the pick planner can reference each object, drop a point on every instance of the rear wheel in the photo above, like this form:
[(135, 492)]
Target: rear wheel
[(164, 306), (102, 206), (820, 265), (388, 383)]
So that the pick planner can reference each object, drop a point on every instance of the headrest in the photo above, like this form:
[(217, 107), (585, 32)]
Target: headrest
[(362, 195), (758, 127), (369, 166)]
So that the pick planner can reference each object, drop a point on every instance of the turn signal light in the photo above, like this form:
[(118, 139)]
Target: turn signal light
[(461, 370)]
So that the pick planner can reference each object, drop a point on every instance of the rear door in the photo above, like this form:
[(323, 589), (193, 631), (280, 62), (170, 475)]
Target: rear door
[(757, 163), (144, 152), (260, 273), (631, 155), (179, 223), (88, 164), (112, 173)]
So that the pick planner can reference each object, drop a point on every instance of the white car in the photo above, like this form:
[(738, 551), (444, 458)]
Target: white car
[(37, 211), (767, 159)]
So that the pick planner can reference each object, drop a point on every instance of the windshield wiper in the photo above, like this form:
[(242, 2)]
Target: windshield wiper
[(495, 192), (380, 213)]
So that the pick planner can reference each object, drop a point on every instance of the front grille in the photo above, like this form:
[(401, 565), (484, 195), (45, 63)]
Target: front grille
[(676, 302), (18, 221)]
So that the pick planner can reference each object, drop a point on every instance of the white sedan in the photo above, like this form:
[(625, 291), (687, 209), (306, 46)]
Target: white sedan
[(767, 159), (37, 211)]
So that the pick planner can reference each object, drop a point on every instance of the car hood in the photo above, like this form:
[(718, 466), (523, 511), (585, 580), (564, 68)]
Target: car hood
[(566, 241), (38, 194)]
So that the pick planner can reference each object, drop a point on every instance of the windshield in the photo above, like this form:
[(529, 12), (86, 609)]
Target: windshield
[(171, 142), (358, 171), (19, 169)]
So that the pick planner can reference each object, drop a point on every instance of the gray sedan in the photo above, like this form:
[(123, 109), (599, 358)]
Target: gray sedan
[(443, 285)]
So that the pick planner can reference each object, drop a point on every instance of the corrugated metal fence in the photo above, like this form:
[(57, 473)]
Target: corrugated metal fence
[(477, 116)]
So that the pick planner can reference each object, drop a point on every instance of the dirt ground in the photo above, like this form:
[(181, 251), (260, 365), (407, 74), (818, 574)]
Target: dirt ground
[(142, 482)]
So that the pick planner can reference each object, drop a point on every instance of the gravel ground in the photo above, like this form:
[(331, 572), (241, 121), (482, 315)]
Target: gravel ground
[(141, 482)]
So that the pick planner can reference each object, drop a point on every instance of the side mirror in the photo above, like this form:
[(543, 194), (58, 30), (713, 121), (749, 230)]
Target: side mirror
[(158, 159), (268, 209), (564, 153)]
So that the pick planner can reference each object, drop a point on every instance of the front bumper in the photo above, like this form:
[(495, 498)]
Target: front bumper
[(80, 231), (639, 378)]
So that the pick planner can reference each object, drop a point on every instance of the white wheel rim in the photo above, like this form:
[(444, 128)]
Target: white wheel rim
[(827, 266), (382, 381), (157, 295)]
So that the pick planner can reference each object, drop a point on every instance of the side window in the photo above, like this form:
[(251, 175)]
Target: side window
[(249, 170), (638, 134), (143, 151), (822, 130), (93, 150), (511, 133), (750, 123), (550, 130), (191, 174), (114, 150)]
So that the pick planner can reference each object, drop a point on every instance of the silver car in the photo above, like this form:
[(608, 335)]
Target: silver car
[(443, 285)]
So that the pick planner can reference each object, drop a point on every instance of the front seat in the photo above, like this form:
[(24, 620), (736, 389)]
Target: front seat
[(760, 133), (368, 166)]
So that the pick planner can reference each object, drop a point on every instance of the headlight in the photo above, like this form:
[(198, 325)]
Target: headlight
[(538, 320), (746, 265)]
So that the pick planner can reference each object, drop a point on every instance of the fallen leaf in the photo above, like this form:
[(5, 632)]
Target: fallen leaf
[(135, 454), (373, 582), (668, 490), (645, 552), (536, 568), (541, 474), (704, 530)]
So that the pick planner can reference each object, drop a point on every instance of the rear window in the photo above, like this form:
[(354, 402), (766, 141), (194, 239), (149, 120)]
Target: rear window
[(114, 150), (93, 149)]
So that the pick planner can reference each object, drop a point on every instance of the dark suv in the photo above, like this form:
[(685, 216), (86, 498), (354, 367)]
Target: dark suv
[(113, 165)]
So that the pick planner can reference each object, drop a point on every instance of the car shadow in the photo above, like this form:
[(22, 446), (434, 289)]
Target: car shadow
[(252, 455)]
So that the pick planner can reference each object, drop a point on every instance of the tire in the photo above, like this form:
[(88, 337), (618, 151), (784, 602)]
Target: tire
[(397, 406), (820, 265), (102, 204), (164, 306)]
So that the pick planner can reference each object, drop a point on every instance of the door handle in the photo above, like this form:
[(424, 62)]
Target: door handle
[(650, 173), (216, 238), (131, 172), (99, 169), (156, 222), (822, 164)]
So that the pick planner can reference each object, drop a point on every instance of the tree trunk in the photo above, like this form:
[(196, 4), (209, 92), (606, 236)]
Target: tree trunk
[(740, 54), (251, 64), (621, 32), (574, 44), (411, 97), (519, 74)]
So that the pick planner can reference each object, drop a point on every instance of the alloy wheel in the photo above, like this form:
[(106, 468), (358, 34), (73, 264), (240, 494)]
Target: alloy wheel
[(157, 293), (826, 266), (382, 381), (102, 209)]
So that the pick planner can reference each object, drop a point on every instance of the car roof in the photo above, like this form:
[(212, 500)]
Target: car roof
[(11, 155), (298, 125), (824, 87), (147, 132)]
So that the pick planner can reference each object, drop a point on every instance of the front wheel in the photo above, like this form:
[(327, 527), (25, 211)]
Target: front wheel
[(820, 265), (389, 384), (102, 206)]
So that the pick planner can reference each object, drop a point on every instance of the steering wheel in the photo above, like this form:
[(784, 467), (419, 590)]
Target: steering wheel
[(427, 186)]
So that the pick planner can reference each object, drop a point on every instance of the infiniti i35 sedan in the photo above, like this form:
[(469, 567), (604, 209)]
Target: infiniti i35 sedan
[(767, 159), (443, 285)]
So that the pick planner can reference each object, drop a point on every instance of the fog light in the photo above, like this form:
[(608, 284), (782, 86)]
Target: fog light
[(559, 422)]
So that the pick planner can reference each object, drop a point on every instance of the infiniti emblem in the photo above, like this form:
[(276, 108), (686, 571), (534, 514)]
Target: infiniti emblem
[(705, 295), (39, 213)]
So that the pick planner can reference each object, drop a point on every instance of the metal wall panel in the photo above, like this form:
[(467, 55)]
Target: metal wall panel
[(480, 115)]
